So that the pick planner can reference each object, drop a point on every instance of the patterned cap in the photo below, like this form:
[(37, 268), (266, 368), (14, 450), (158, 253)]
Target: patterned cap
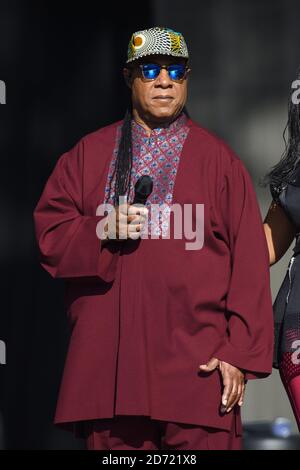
[(158, 40)]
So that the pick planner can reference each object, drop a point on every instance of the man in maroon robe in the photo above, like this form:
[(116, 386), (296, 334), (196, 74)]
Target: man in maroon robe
[(164, 333)]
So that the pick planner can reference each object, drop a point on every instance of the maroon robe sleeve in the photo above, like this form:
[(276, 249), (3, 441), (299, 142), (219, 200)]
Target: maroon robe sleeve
[(249, 343), (68, 243)]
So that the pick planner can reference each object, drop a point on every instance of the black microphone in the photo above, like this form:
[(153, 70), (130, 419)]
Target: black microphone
[(142, 189)]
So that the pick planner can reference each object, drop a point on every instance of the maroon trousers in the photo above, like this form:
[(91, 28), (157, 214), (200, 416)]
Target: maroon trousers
[(143, 433)]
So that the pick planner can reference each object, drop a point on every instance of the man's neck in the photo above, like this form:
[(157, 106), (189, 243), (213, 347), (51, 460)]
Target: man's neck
[(149, 125)]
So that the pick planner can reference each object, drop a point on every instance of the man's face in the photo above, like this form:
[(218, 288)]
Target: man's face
[(158, 100)]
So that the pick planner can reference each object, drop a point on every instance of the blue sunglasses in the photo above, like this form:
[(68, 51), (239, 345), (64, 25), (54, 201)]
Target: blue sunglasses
[(175, 71)]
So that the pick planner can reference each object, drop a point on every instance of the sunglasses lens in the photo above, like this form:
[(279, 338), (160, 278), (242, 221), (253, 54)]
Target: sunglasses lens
[(176, 71), (150, 71)]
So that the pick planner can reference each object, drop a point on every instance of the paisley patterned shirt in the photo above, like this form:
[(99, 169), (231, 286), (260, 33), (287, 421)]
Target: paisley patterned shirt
[(157, 156)]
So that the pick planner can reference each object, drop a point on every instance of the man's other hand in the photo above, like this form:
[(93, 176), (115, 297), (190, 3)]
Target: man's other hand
[(233, 382)]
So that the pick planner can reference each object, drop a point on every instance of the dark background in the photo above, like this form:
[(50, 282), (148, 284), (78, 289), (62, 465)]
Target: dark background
[(62, 67)]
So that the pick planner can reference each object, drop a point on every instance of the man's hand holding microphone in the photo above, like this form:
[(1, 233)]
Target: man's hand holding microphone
[(126, 221)]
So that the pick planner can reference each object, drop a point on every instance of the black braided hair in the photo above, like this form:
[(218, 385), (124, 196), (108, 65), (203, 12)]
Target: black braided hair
[(284, 171), (122, 170)]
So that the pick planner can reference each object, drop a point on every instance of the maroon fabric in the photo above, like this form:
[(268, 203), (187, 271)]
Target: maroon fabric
[(289, 367), (146, 315), (143, 433)]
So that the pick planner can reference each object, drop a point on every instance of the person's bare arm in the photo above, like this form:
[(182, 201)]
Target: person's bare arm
[(279, 230)]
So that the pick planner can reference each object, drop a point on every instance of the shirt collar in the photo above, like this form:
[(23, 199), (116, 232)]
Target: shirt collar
[(172, 128)]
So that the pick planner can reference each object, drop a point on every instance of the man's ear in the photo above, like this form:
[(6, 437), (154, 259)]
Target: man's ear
[(127, 76)]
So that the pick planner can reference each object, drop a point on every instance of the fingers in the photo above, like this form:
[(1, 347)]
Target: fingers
[(241, 400), (137, 216), (233, 383), (210, 366), (138, 210), (134, 230), (227, 393), (135, 226), (130, 221), (135, 220), (234, 386), (232, 396), (236, 397)]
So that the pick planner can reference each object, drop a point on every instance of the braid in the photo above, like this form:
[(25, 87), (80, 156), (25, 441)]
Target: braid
[(124, 161)]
